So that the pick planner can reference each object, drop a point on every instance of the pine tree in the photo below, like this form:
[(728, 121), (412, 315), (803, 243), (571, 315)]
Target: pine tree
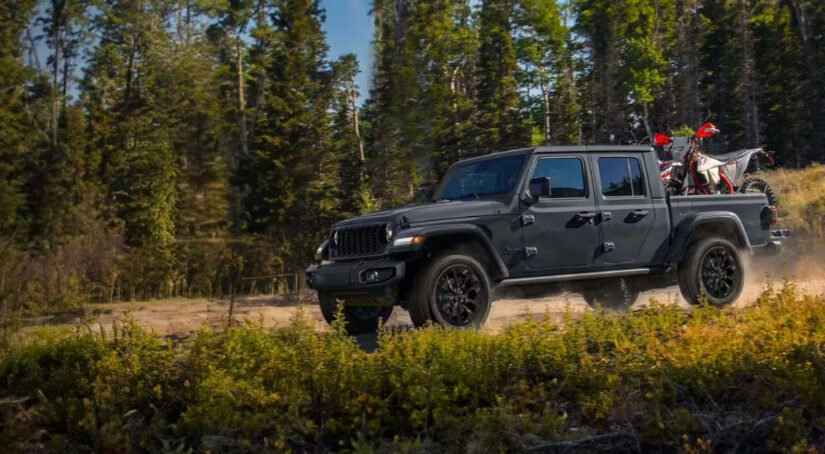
[(731, 77), (292, 190), (347, 139), (540, 46), (682, 95), (499, 119), (808, 24), (601, 25), (15, 123), (130, 94), (390, 160)]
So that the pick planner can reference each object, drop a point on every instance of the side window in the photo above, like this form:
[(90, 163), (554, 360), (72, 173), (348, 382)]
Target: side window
[(621, 177), (566, 176)]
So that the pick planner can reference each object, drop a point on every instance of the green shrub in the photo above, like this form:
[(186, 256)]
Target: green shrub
[(658, 379)]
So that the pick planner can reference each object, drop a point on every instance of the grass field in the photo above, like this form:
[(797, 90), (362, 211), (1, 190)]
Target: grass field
[(659, 379)]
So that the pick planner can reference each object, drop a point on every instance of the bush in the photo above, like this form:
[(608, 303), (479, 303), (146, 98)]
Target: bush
[(658, 379)]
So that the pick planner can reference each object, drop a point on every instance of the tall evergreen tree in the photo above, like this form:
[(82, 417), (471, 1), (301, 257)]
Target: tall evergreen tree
[(347, 139), (131, 98), (499, 119), (390, 160), (808, 23), (292, 193), (731, 78), (15, 123), (540, 44)]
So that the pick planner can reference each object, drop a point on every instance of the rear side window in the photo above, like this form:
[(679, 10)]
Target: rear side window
[(621, 177), (566, 176)]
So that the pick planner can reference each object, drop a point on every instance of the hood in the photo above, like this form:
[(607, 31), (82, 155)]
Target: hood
[(431, 212)]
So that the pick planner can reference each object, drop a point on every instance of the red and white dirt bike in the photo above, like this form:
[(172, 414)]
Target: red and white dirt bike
[(686, 171)]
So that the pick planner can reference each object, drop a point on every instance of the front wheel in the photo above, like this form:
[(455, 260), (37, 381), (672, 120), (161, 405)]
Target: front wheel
[(358, 319), (711, 269), (453, 291)]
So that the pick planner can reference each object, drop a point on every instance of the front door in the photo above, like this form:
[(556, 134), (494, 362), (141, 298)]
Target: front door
[(626, 211), (559, 232)]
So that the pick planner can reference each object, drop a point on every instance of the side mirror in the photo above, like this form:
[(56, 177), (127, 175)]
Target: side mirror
[(539, 187)]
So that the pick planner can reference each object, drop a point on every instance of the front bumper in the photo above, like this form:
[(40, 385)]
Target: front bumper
[(362, 277)]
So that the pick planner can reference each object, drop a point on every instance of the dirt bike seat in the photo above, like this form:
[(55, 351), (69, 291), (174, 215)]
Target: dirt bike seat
[(735, 155)]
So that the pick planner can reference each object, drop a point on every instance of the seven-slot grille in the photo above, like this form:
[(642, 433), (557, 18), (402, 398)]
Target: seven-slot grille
[(359, 241)]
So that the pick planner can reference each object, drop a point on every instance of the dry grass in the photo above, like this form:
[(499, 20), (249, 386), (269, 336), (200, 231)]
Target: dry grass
[(801, 198)]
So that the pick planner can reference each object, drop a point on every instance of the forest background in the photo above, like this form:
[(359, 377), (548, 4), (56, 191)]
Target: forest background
[(153, 148)]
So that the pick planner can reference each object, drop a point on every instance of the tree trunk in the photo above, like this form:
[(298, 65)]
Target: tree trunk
[(646, 121), (351, 95), (243, 136), (55, 73), (545, 94), (748, 82), (453, 91)]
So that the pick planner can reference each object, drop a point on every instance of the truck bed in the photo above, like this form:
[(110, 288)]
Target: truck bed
[(747, 210)]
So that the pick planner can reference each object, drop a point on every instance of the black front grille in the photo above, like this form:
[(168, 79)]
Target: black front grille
[(359, 241)]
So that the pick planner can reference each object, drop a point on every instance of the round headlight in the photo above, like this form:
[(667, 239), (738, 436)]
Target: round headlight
[(333, 241), (388, 232)]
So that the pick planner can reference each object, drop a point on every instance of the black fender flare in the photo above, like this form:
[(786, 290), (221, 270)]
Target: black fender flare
[(683, 232), (475, 231)]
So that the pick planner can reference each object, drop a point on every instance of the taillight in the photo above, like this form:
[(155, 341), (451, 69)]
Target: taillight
[(773, 214)]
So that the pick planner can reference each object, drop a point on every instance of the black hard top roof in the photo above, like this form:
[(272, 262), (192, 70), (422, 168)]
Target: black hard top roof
[(566, 149)]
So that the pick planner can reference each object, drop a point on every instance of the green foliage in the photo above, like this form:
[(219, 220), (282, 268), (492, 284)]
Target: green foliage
[(656, 379), (500, 125), (15, 122)]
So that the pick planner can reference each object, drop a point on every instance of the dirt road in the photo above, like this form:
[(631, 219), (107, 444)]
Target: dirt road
[(179, 318)]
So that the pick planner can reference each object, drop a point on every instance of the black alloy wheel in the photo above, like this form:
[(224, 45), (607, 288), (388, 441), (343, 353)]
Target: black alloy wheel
[(711, 271), (719, 270), (453, 290), (457, 293)]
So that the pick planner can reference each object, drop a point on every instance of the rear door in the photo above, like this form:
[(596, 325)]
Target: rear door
[(559, 232), (626, 212)]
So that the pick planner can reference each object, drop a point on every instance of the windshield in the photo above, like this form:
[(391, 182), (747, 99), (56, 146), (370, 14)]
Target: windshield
[(482, 178)]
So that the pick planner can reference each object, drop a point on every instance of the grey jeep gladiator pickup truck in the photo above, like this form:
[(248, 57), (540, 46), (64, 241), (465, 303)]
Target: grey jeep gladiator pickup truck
[(534, 216)]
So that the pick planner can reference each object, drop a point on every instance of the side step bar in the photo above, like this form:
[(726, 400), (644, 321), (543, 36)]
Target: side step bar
[(573, 277)]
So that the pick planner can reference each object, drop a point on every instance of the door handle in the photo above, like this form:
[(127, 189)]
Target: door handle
[(586, 216), (640, 213), (528, 219)]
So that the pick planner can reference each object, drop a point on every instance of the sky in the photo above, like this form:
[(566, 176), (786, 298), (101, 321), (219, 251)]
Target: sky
[(349, 29)]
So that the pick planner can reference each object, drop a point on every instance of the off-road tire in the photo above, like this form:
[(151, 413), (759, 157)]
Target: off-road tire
[(754, 184), (424, 304), (359, 320), (696, 262)]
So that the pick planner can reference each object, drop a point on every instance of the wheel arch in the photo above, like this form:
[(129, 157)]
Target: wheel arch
[(725, 225), (472, 239)]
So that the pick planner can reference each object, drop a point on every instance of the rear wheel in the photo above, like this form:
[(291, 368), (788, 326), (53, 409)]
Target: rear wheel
[(359, 319), (453, 291), (712, 269), (753, 185)]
